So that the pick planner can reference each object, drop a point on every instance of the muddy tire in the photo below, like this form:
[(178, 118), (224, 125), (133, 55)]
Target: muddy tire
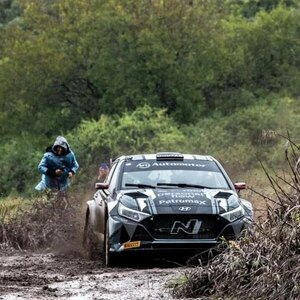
[(90, 241), (111, 259)]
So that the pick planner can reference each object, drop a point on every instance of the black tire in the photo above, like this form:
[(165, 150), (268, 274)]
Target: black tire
[(111, 259), (90, 241)]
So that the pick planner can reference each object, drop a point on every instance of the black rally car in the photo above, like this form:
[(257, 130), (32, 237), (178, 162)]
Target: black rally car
[(164, 201)]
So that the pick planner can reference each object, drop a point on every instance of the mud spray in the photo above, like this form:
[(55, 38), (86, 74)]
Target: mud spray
[(50, 224)]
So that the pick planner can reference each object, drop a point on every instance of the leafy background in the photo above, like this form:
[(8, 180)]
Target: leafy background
[(122, 77)]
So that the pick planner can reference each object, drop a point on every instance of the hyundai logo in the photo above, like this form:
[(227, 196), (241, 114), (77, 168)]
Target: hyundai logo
[(184, 208)]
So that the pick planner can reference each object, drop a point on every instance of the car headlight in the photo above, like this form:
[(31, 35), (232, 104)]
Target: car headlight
[(132, 209), (230, 208), (234, 214), (129, 202)]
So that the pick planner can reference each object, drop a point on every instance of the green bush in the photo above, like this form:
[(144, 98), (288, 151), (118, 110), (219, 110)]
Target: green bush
[(246, 136), (19, 161), (141, 131)]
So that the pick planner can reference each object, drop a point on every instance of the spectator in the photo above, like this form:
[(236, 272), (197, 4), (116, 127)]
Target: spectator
[(103, 172), (57, 166)]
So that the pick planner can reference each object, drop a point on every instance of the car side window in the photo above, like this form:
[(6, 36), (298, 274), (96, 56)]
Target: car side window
[(114, 177), (112, 170)]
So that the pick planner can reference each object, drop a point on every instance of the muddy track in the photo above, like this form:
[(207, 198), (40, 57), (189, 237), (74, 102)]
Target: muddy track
[(63, 271), (50, 276)]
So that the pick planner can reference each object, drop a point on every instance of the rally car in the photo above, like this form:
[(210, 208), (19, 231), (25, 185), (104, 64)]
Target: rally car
[(164, 202)]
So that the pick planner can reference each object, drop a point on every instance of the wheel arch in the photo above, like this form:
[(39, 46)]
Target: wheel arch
[(90, 214)]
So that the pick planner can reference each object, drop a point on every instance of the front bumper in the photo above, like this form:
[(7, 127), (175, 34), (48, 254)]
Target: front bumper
[(151, 237)]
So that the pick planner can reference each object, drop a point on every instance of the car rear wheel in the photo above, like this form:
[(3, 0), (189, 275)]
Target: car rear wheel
[(90, 241)]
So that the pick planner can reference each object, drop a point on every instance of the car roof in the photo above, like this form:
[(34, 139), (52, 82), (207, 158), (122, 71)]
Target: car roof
[(167, 156)]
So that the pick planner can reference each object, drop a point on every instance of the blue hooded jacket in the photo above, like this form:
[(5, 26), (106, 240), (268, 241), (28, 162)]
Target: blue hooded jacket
[(52, 161)]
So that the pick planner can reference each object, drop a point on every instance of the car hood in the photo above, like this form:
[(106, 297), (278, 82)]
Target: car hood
[(181, 201)]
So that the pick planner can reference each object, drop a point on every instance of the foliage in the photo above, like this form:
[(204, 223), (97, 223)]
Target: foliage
[(249, 8), (18, 162), (9, 10), (10, 207), (144, 130), (265, 262), (190, 57), (239, 140), (243, 138), (86, 66)]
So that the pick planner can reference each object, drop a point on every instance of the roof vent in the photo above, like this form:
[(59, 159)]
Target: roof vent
[(169, 156)]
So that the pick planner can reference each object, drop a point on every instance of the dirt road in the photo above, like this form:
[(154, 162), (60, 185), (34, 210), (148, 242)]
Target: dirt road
[(50, 276), (65, 272)]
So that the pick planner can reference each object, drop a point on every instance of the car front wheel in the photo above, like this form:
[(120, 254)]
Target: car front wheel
[(111, 259)]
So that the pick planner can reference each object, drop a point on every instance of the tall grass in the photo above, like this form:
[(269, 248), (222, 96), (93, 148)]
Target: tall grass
[(10, 207), (45, 223), (264, 264)]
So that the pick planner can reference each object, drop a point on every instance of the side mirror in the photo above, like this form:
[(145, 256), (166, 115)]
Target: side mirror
[(240, 185), (101, 186)]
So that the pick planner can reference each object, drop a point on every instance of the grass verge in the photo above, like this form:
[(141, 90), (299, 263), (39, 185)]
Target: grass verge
[(264, 264)]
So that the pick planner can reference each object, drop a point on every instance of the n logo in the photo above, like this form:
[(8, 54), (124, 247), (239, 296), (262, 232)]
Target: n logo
[(191, 227)]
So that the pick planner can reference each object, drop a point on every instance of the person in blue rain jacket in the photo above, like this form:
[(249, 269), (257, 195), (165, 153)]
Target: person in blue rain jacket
[(57, 166)]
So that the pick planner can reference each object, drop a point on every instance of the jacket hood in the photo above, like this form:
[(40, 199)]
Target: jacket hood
[(62, 142)]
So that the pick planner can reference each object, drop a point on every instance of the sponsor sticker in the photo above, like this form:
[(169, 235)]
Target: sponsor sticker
[(183, 194), (143, 165), (178, 164), (130, 245), (190, 164), (182, 201)]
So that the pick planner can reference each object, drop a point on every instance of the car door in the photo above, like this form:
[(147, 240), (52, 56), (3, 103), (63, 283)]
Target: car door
[(101, 198)]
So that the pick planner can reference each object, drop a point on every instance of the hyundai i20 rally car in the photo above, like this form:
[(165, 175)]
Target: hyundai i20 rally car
[(164, 201)]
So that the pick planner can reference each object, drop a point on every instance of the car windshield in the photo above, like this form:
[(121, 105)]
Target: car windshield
[(203, 174)]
